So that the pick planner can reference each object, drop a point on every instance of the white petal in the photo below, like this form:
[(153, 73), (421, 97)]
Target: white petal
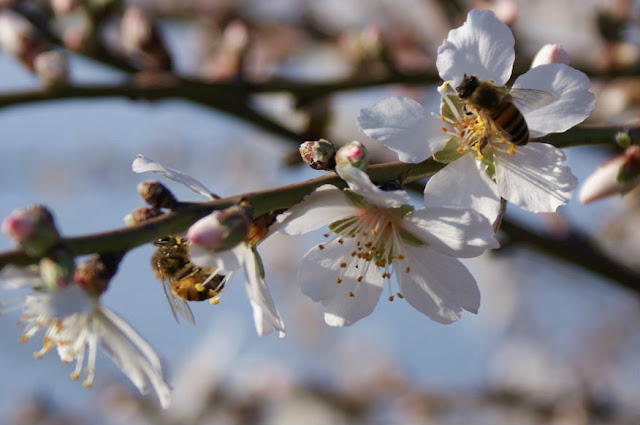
[(131, 353), (321, 208), (438, 285), (483, 46), (453, 231), (534, 178), (14, 277), (317, 277), (404, 126), (464, 183), (573, 100), (360, 183), (226, 261), (265, 315), (144, 165)]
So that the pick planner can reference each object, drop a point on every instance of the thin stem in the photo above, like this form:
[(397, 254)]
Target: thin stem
[(177, 221)]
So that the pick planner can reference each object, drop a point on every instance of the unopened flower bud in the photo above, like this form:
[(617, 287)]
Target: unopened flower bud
[(550, 53), (52, 69), (140, 215), (221, 230), (142, 41), (57, 268), (353, 154), (318, 154), (95, 274), (618, 175), (157, 195), (32, 228), (19, 38)]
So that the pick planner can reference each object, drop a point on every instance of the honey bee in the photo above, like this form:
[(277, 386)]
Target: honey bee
[(498, 103), (183, 281)]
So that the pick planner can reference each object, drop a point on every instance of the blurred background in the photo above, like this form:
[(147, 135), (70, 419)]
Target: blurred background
[(553, 342)]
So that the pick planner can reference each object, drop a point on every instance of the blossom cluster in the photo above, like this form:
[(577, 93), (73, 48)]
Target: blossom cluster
[(376, 239)]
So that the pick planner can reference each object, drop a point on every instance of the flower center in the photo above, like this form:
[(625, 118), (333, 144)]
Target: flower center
[(375, 242), (474, 130)]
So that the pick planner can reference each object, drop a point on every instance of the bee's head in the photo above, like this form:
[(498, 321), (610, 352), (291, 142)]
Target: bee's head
[(469, 84)]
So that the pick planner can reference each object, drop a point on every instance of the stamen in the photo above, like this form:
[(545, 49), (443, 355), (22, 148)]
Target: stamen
[(214, 300), (512, 149), (320, 247), (400, 295), (199, 287), (390, 298), (351, 294)]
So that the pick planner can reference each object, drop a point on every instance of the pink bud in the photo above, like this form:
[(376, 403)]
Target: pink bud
[(32, 228), (550, 53), (616, 176), (51, 67), (220, 230), (353, 154)]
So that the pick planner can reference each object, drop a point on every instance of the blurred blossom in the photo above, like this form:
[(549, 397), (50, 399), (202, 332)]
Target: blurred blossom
[(51, 68), (523, 367), (142, 41), (616, 176), (550, 53), (19, 38), (32, 228)]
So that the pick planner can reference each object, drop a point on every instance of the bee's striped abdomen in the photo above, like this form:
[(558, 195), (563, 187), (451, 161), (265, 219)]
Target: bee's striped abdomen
[(509, 119)]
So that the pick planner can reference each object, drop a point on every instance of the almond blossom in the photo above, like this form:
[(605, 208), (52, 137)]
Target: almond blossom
[(531, 176), (75, 323), (227, 261), (374, 235)]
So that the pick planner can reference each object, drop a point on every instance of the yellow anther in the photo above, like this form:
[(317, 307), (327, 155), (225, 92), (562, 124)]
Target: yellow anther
[(512, 149), (374, 232), (37, 355), (74, 375), (460, 149), (199, 287), (444, 129), (87, 383), (479, 157), (214, 301)]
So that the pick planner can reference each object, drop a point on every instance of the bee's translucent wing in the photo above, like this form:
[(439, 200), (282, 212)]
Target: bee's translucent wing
[(177, 305), (530, 99)]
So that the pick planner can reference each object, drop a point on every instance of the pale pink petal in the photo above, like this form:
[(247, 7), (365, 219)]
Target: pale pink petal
[(321, 208), (464, 183), (534, 178), (405, 126), (573, 100), (482, 46), (317, 277), (226, 261), (265, 315), (144, 165), (438, 285), (360, 183), (453, 231)]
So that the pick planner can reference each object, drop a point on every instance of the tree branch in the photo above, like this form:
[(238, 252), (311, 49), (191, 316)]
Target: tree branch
[(177, 221)]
